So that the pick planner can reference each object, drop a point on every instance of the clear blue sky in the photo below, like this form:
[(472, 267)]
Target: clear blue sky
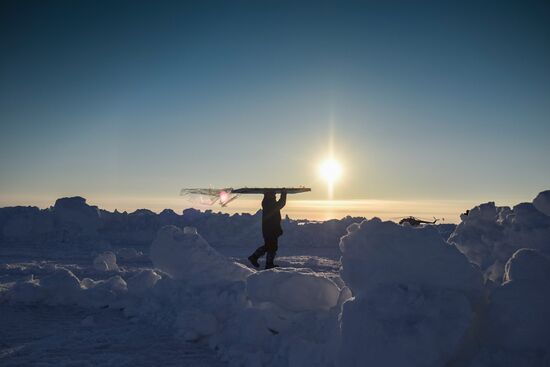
[(423, 100)]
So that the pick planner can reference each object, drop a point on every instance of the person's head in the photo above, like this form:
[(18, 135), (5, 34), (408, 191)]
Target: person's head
[(269, 196)]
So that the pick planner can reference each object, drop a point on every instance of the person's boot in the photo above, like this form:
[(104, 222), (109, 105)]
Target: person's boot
[(254, 261), (270, 257)]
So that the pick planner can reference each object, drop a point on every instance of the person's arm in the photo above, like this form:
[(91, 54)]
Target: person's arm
[(282, 200)]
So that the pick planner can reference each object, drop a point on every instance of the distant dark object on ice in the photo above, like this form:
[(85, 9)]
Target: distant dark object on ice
[(415, 222)]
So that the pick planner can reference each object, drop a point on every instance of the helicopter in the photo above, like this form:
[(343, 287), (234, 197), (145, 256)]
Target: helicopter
[(415, 222)]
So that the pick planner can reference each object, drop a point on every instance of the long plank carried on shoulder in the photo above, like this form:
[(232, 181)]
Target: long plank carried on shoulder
[(263, 190)]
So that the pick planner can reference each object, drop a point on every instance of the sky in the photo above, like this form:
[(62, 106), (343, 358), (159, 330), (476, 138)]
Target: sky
[(127, 102)]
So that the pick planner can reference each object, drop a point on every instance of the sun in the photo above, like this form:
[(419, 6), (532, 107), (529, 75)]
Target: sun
[(330, 170)]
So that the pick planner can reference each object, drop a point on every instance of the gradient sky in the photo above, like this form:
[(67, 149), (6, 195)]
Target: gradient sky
[(125, 101)]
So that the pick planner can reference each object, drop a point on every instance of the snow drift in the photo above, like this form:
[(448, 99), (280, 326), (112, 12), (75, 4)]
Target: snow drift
[(186, 255), (73, 223), (516, 331), (415, 296), (542, 202), (59, 286), (251, 318), (488, 235), (519, 313), (376, 253), (106, 262), (293, 289)]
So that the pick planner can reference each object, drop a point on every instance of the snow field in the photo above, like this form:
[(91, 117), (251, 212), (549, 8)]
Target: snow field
[(404, 297)]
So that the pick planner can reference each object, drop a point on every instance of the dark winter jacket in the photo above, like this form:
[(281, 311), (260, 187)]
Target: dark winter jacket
[(271, 216)]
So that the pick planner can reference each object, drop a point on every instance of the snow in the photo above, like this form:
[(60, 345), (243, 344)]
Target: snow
[(542, 202), (106, 262), (527, 265), (88, 321), (489, 235), (61, 287), (520, 308), (247, 316), (376, 253), (414, 296), (402, 326), (293, 289), (519, 314), (73, 228), (129, 253), (75, 336), (399, 295), (186, 255), (141, 282), (75, 217), (195, 324)]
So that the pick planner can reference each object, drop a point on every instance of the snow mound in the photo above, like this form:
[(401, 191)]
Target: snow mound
[(129, 253), (75, 217), (489, 235), (519, 312), (402, 326), (106, 262), (25, 291), (280, 317), (542, 202), (185, 255), (141, 282), (60, 286), (61, 281), (293, 289), (414, 296), (528, 265), (101, 293), (376, 253)]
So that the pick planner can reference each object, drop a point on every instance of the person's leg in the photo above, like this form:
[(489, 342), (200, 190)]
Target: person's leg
[(269, 260), (260, 251), (271, 248)]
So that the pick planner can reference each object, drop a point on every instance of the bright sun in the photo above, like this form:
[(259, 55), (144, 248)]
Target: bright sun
[(330, 170)]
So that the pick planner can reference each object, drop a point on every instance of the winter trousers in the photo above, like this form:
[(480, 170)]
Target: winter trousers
[(270, 248)]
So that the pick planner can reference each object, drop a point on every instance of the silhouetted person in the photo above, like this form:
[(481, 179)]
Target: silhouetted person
[(271, 229)]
